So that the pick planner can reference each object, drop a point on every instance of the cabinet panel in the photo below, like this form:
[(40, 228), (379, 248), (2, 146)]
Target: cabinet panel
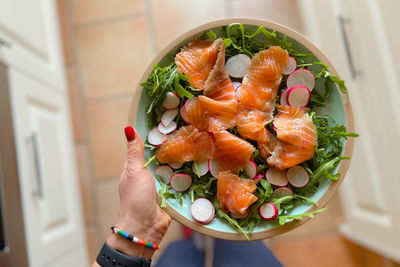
[(31, 32), (48, 179)]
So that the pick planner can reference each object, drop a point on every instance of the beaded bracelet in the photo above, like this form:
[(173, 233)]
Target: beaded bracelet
[(134, 239)]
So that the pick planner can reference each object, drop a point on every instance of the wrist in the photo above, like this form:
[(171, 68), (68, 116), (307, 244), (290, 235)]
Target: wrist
[(150, 231)]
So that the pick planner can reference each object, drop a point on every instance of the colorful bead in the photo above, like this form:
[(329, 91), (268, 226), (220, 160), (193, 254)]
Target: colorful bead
[(134, 239)]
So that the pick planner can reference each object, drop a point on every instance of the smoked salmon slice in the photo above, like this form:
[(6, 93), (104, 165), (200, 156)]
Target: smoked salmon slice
[(216, 109), (197, 60), (231, 152), (186, 144), (297, 137), (235, 194), (261, 82)]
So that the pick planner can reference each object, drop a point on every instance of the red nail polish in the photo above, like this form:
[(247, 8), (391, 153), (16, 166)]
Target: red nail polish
[(129, 133)]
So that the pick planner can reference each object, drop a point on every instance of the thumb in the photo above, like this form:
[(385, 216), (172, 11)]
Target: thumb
[(135, 160)]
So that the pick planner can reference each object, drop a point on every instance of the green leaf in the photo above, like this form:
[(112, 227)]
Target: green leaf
[(196, 169), (283, 218), (149, 161)]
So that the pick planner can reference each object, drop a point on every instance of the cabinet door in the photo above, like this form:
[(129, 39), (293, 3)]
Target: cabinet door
[(50, 196), (30, 31), (358, 36)]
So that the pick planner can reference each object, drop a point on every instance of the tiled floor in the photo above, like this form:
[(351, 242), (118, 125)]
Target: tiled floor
[(107, 44)]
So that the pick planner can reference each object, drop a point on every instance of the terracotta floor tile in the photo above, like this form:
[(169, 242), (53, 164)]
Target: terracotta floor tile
[(93, 243), (89, 10), (107, 199), (89, 213), (174, 17), (284, 12), (113, 56), (75, 105), (326, 251), (326, 221), (106, 122), (65, 31), (373, 259)]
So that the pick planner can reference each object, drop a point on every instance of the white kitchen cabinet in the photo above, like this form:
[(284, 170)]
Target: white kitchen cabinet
[(30, 48), (51, 207), (30, 30), (361, 39)]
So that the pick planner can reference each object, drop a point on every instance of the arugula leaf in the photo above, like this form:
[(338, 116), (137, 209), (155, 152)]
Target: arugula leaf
[(149, 161), (196, 169), (283, 218)]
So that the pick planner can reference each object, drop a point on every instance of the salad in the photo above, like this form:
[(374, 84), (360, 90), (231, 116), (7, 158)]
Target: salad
[(236, 126)]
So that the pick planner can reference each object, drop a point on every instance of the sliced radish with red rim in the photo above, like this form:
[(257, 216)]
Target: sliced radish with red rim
[(250, 169), (167, 129), (298, 96), (276, 177), (282, 192), (257, 178), (213, 167), (175, 165), (155, 138), (165, 172), (183, 113), (238, 65), (301, 77), (298, 176), (181, 182), (202, 210), (202, 165), (238, 91), (171, 101), (268, 211), (282, 97), (291, 66), (236, 84), (168, 116)]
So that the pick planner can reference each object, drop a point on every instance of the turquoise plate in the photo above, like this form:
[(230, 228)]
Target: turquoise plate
[(338, 107)]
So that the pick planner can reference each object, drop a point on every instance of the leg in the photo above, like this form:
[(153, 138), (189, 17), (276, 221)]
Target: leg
[(181, 253), (243, 254)]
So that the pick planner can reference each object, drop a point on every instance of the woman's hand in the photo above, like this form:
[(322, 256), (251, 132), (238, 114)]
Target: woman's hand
[(139, 213)]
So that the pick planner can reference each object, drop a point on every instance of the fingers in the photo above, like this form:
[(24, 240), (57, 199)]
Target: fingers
[(135, 160)]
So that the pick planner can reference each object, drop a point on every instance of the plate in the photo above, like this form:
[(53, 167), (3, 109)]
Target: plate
[(338, 107)]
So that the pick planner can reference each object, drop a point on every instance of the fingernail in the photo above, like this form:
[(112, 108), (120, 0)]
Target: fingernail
[(129, 133)]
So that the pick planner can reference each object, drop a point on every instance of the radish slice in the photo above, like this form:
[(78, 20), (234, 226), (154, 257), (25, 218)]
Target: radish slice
[(165, 172), (203, 167), (171, 101), (213, 167), (282, 97), (238, 92), (268, 211), (301, 77), (175, 165), (298, 176), (298, 96), (257, 178), (202, 210), (155, 138), (241, 217), (276, 177), (250, 169), (183, 113), (167, 129), (282, 192), (238, 65), (181, 182), (236, 85), (169, 116), (291, 66)]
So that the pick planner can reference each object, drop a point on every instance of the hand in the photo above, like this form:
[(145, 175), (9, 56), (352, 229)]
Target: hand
[(139, 213)]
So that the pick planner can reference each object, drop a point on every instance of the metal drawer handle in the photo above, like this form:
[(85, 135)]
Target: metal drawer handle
[(33, 140), (4, 43), (353, 70)]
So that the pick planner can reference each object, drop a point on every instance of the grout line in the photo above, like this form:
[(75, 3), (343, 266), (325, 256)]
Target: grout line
[(107, 21), (79, 84), (152, 26)]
